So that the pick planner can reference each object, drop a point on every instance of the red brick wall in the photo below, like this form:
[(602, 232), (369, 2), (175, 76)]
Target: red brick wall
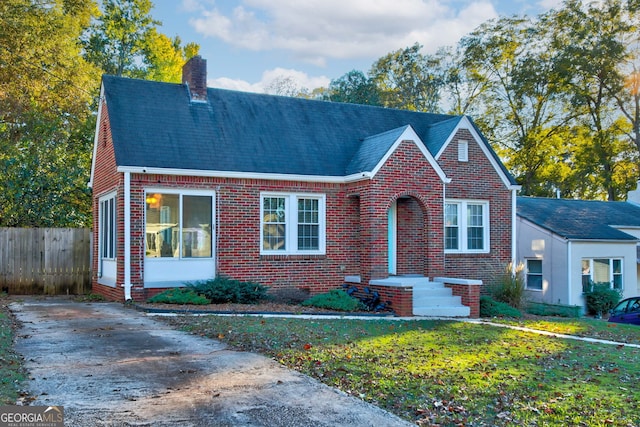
[(106, 180), (478, 180)]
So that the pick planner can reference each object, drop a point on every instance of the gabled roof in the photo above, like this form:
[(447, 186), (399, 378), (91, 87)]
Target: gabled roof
[(581, 219), (155, 125)]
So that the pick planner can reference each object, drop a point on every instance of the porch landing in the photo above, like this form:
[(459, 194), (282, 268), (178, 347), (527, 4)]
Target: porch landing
[(430, 298)]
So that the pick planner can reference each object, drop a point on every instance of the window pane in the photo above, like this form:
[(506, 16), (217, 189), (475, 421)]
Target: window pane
[(474, 215), (273, 223), (162, 228), (451, 231), (617, 266), (112, 229), (450, 215), (601, 271), (475, 230), (308, 225), (196, 226), (451, 238), (534, 266), (534, 274)]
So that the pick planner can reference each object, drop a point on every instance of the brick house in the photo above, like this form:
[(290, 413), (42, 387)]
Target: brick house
[(191, 182)]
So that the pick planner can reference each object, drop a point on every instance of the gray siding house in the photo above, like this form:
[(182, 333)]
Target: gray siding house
[(565, 244)]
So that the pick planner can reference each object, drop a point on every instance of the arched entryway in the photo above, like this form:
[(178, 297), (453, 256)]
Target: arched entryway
[(406, 237)]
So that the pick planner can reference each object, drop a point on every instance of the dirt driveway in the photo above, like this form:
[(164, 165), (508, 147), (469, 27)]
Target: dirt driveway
[(109, 365)]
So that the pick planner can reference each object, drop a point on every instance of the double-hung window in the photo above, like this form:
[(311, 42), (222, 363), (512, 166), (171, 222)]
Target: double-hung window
[(292, 223), (534, 274), (602, 270), (466, 226), (107, 226)]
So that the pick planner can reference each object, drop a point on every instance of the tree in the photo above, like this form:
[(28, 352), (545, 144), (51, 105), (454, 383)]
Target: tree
[(116, 41), (355, 88), (592, 38), (408, 79), (522, 105), (124, 41), (46, 92)]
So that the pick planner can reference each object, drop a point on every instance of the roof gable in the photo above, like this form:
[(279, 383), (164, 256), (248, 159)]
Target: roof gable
[(581, 219), (444, 132), (154, 125)]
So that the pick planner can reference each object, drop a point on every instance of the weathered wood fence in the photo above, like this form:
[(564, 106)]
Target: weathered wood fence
[(45, 261)]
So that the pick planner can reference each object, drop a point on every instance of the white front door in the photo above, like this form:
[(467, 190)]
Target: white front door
[(392, 232)]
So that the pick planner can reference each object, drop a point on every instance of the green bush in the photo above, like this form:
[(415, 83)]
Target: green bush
[(601, 298), (508, 286), (336, 299), (492, 308), (226, 290), (543, 309), (179, 296)]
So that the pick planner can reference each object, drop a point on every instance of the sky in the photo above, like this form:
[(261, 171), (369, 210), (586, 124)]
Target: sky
[(250, 43)]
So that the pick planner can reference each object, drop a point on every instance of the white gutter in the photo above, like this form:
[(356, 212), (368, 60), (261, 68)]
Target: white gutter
[(514, 230), (246, 175), (569, 271), (127, 236)]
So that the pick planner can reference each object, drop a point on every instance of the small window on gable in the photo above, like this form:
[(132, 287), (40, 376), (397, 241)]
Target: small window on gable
[(463, 151)]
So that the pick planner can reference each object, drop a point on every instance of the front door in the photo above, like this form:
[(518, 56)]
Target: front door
[(392, 240)]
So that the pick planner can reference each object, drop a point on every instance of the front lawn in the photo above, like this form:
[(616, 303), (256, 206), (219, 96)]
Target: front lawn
[(451, 373)]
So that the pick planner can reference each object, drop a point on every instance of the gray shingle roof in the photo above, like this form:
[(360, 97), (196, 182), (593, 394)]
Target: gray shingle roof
[(581, 219), (155, 125)]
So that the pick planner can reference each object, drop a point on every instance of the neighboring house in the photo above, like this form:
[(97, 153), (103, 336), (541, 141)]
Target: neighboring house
[(191, 182), (567, 243)]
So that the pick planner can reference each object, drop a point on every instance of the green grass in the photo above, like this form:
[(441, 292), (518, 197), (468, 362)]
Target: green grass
[(453, 373), (11, 374)]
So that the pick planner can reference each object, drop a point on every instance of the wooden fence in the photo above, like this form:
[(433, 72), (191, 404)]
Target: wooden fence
[(45, 261)]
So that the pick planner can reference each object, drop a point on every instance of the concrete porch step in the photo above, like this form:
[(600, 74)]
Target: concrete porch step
[(442, 311), (429, 298)]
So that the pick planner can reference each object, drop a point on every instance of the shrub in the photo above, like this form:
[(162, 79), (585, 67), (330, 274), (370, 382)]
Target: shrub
[(226, 290), (543, 309), (336, 299), (508, 286), (179, 296), (492, 308), (601, 298)]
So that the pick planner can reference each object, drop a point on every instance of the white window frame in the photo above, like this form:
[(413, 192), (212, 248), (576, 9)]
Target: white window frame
[(527, 274), (107, 227), (291, 223), (463, 226), (611, 270), (181, 194)]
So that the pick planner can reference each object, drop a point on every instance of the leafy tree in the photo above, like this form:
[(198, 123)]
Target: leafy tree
[(355, 88), (521, 99), (592, 39), (124, 41), (46, 91), (116, 41), (408, 79)]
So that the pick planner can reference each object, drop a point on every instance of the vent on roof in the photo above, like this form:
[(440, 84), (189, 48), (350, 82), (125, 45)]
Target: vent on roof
[(194, 75)]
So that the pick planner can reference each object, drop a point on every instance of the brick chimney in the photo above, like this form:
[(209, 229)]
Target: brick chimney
[(194, 74)]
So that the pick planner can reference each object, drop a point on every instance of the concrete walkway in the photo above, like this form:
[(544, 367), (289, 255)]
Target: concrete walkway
[(109, 365)]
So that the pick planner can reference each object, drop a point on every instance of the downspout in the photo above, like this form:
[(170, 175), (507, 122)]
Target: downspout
[(127, 236), (569, 272), (514, 231)]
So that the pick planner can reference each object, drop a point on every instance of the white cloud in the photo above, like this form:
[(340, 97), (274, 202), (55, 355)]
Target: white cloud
[(318, 30), (302, 79)]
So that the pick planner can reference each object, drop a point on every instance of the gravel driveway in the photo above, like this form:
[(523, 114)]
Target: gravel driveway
[(109, 365)]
